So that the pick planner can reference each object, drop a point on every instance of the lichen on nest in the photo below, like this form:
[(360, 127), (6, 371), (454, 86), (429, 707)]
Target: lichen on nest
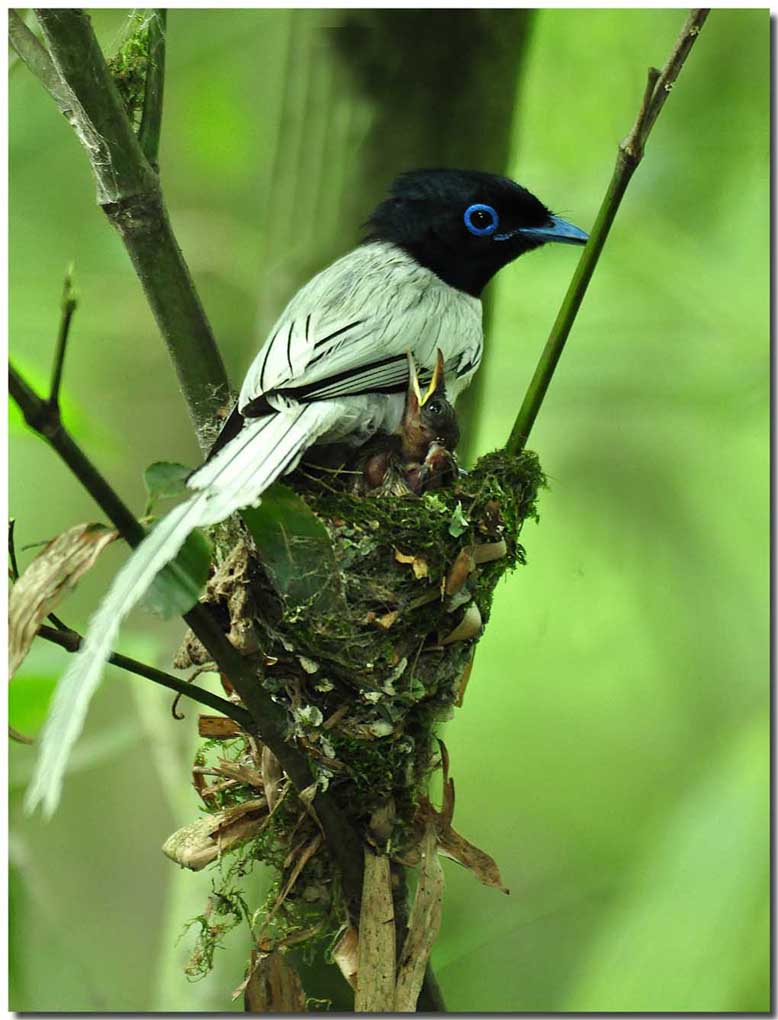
[(362, 613)]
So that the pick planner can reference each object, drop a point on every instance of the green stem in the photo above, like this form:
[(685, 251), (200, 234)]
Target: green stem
[(572, 302), (627, 161), (128, 191)]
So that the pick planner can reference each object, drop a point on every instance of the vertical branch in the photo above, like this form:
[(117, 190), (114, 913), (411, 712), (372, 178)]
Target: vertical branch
[(627, 161), (128, 191)]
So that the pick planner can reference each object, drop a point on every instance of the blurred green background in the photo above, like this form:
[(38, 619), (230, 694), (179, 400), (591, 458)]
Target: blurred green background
[(612, 752)]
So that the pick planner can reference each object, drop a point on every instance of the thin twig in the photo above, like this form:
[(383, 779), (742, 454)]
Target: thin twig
[(69, 305), (269, 719), (629, 156), (128, 191), (71, 642)]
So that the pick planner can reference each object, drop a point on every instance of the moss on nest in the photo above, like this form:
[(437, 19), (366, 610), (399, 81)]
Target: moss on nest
[(362, 613)]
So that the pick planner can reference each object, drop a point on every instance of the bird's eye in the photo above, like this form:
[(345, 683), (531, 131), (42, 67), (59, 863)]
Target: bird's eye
[(481, 220)]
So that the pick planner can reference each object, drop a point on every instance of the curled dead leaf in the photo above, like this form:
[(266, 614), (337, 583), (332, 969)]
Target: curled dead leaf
[(196, 845), (462, 567), (346, 955), (52, 574), (487, 552), (468, 627)]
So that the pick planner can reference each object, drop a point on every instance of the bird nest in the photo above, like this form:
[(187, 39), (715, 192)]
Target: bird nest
[(362, 614)]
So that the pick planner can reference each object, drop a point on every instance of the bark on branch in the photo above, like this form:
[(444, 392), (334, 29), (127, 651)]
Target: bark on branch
[(128, 190)]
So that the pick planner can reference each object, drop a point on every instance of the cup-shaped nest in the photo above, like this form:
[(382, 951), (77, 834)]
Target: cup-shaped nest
[(363, 613)]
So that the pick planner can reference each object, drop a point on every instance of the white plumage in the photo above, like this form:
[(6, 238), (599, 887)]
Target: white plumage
[(333, 369)]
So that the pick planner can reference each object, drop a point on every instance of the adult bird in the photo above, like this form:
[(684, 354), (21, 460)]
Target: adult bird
[(334, 369)]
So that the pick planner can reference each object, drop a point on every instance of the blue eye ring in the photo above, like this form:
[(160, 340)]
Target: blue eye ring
[(481, 231)]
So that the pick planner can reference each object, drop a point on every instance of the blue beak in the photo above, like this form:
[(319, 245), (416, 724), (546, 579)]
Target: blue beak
[(560, 230)]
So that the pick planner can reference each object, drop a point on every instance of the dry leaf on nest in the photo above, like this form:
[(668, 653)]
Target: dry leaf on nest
[(423, 925), (484, 867), (218, 727), (271, 776), (461, 569), (272, 986), (464, 680), (52, 574), (470, 626), (196, 845), (418, 563), (346, 955), (386, 621), (376, 958), (450, 843), (487, 552), (232, 770)]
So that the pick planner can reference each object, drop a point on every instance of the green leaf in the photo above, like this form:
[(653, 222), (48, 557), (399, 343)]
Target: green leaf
[(177, 588), (459, 523), (295, 548), (164, 479)]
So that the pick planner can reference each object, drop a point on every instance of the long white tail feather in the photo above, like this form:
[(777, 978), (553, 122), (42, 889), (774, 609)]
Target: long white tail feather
[(236, 477)]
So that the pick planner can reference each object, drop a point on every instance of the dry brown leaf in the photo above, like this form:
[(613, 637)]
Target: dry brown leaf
[(386, 621), (484, 867), (196, 845), (464, 680), (418, 563), (423, 926), (218, 727), (232, 770), (376, 956), (346, 955), (486, 552), (271, 776), (459, 849), (52, 574), (273, 986), (469, 626), (462, 567)]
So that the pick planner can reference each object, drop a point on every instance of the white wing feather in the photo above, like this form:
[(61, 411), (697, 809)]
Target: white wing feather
[(346, 331), (235, 478)]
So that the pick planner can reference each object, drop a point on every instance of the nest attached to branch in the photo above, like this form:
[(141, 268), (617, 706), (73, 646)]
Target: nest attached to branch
[(362, 613)]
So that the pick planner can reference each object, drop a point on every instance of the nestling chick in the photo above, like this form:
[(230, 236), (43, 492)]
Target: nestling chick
[(420, 455)]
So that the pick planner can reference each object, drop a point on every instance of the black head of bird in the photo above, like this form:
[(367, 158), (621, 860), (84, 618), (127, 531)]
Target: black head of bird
[(465, 225)]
